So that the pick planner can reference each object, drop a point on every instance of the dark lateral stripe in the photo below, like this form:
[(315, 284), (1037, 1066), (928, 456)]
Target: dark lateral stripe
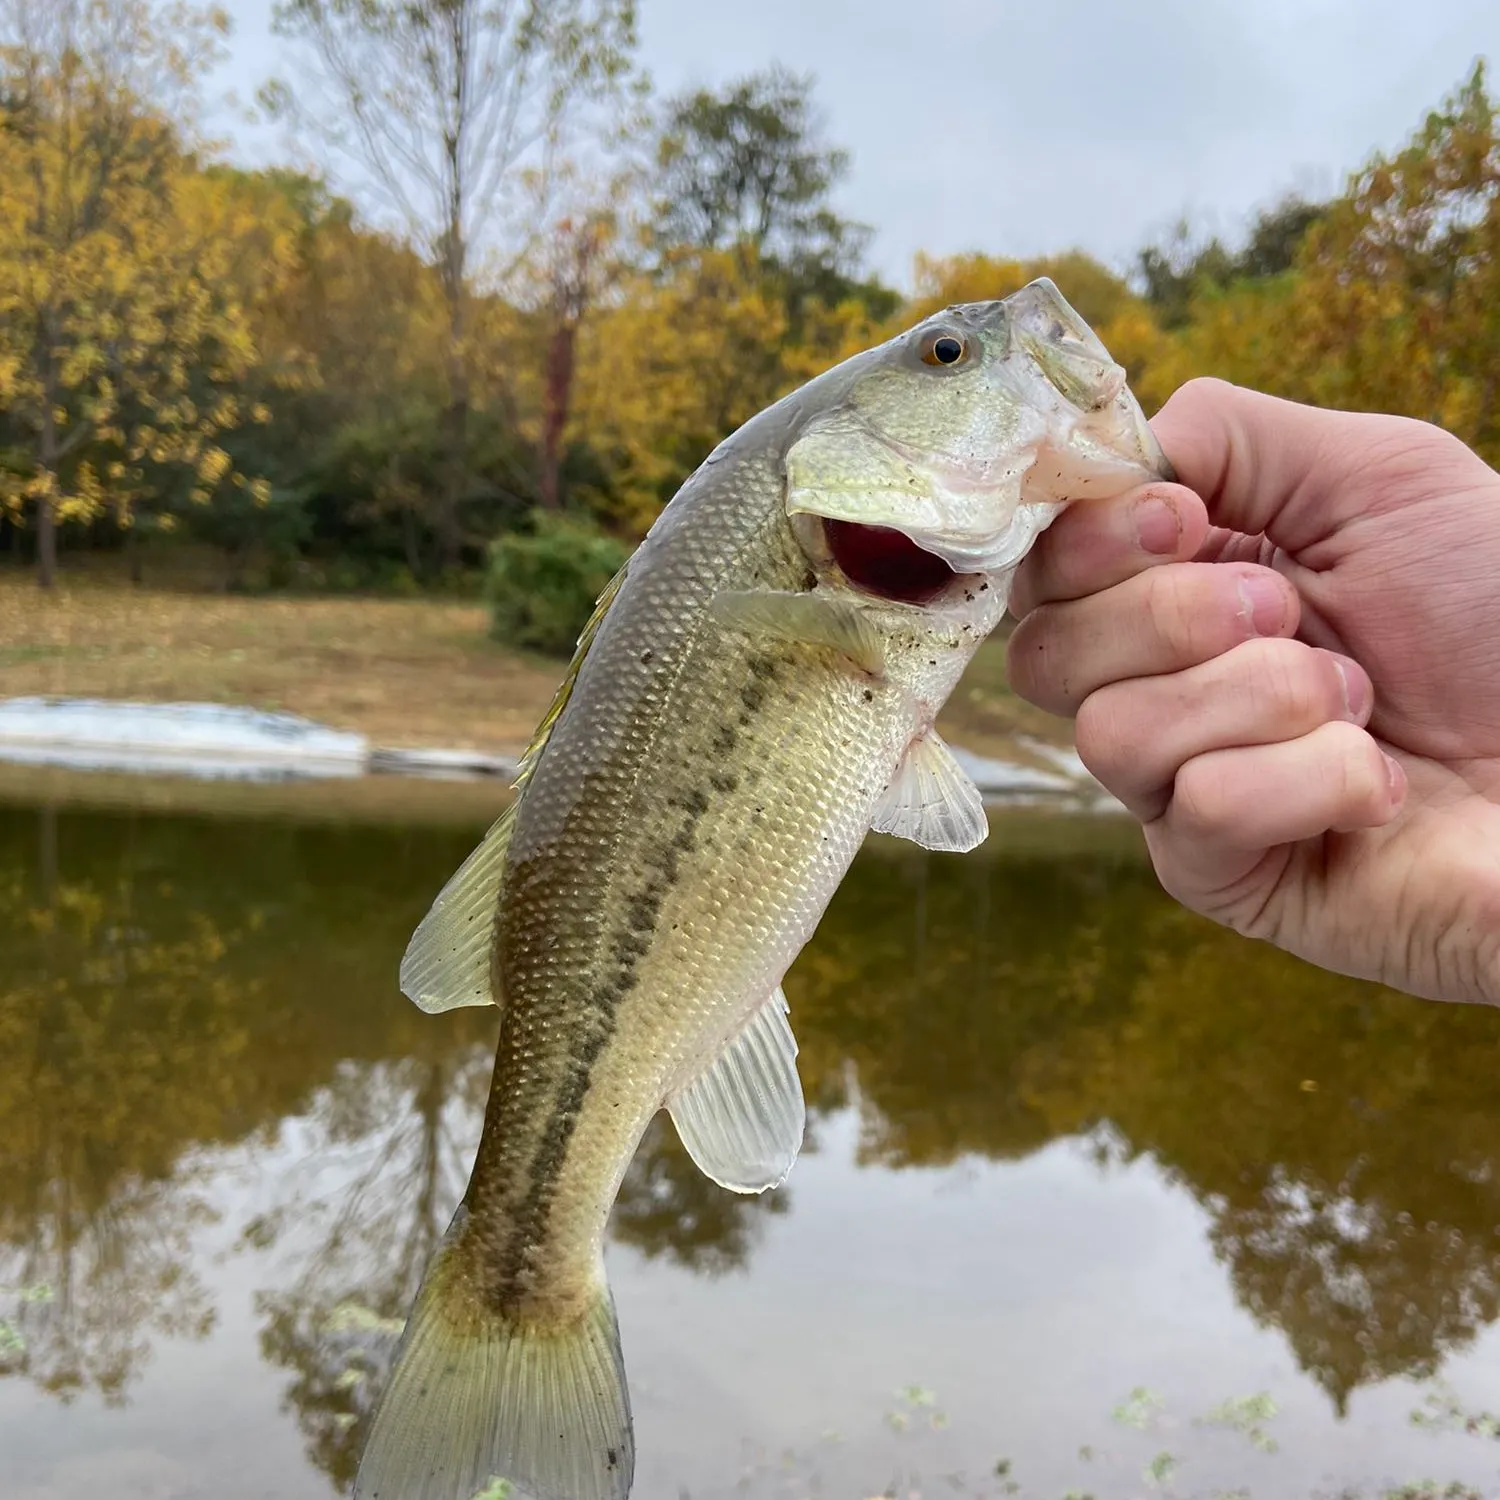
[(596, 1026)]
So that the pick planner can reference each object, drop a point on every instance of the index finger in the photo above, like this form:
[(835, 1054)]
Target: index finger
[(1268, 467)]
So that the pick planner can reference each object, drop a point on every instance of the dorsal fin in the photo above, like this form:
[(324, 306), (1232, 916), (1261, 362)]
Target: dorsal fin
[(447, 963), (586, 636)]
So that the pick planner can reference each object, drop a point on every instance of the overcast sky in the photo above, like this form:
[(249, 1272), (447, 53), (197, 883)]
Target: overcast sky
[(1025, 126)]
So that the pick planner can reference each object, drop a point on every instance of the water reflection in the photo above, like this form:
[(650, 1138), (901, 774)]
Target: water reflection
[(118, 1029), (668, 1208), (171, 985), (397, 1137)]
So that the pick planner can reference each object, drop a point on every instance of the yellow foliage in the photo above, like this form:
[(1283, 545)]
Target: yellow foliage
[(1394, 301), (682, 359), (128, 277)]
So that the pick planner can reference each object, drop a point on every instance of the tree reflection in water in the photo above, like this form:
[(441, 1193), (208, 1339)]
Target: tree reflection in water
[(400, 1135), (409, 1131), (1344, 1139), (113, 1029), (172, 985)]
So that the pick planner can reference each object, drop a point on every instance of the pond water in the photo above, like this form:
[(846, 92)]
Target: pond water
[(1097, 1198)]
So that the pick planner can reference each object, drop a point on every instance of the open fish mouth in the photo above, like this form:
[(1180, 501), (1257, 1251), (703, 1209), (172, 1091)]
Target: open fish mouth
[(886, 562), (913, 557)]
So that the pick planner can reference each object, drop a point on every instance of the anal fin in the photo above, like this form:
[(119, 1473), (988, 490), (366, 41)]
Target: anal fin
[(931, 800), (742, 1119)]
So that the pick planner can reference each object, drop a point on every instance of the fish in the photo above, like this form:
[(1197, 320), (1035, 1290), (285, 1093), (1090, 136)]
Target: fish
[(755, 692)]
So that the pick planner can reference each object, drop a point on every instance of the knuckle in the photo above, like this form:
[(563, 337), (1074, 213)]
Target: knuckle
[(1200, 390), (1361, 780), (1165, 616), (1292, 685), (1199, 796), (1181, 611), (1101, 734)]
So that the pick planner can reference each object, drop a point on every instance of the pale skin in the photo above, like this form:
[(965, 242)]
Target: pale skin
[(1287, 666)]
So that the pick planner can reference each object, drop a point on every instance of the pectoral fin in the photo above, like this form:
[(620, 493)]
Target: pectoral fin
[(742, 1120), (807, 619), (931, 801)]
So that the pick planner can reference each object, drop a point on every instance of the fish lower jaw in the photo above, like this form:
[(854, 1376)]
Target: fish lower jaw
[(992, 551)]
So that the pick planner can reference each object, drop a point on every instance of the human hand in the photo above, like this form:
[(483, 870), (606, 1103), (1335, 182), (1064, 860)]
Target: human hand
[(1294, 680)]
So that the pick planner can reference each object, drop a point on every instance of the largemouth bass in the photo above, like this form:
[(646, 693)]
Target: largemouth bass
[(755, 692)]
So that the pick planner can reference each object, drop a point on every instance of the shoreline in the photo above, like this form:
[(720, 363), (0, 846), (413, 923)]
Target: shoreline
[(215, 742)]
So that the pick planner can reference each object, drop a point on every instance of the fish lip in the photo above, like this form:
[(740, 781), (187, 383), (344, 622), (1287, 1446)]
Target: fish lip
[(970, 554)]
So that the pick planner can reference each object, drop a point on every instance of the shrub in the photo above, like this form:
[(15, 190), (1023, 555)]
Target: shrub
[(542, 584)]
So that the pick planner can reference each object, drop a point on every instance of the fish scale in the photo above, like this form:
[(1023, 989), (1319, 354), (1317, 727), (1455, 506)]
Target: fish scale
[(740, 712)]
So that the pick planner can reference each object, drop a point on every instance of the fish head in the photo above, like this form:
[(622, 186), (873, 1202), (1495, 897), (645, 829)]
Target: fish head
[(965, 436)]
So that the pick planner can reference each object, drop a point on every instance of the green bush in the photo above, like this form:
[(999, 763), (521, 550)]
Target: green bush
[(542, 584)]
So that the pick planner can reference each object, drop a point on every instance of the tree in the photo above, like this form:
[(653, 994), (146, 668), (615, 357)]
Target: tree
[(1170, 273), (122, 331), (683, 358), (1391, 300), (750, 165), (440, 107), (580, 261), (1398, 299)]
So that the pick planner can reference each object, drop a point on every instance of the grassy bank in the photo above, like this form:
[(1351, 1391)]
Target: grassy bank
[(402, 671)]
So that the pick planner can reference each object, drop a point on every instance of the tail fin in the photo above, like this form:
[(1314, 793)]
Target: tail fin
[(473, 1398)]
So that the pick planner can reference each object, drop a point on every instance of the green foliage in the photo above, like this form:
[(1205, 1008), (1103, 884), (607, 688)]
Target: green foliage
[(749, 167), (241, 359), (1246, 1414), (750, 164), (542, 585), (1172, 272)]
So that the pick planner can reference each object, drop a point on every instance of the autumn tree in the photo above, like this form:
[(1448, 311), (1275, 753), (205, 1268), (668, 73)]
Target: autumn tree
[(687, 354), (445, 111), (361, 438), (750, 165), (1398, 298), (591, 229), (122, 336), (1391, 300)]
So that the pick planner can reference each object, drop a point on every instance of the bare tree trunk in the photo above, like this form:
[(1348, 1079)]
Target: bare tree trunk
[(46, 514), (576, 253), (455, 473), (456, 459), (46, 543), (134, 555), (409, 540), (557, 399)]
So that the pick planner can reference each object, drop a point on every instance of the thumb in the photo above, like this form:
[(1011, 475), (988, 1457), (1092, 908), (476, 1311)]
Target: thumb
[(1269, 467)]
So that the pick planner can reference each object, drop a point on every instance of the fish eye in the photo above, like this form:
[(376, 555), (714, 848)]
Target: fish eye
[(943, 349)]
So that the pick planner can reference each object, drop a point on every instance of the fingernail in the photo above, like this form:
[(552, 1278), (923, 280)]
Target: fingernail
[(1263, 603), (1397, 778), (1356, 689), (1158, 527)]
